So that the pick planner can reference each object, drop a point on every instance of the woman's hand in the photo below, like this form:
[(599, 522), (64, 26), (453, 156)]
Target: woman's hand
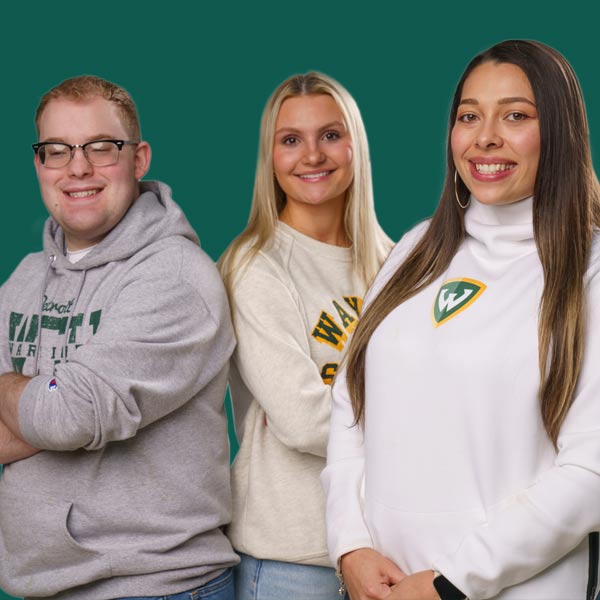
[(369, 575), (418, 586)]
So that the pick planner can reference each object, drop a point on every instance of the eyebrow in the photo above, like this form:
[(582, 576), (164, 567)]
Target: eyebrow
[(94, 138), (326, 126), (509, 100)]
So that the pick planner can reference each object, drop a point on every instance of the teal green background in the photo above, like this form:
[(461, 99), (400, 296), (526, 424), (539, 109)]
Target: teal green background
[(201, 73)]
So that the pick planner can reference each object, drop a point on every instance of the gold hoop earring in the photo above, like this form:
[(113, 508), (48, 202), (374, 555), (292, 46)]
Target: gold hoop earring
[(463, 206)]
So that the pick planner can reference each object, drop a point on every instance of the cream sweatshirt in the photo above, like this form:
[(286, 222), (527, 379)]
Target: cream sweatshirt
[(294, 310)]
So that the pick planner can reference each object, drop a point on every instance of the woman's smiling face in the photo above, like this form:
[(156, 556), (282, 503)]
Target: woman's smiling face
[(312, 151), (496, 136)]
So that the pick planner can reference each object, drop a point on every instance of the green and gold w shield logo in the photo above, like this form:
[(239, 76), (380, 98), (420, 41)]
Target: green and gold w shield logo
[(454, 296)]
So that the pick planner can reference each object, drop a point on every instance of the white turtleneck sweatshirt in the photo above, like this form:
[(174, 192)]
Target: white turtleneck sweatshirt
[(455, 471)]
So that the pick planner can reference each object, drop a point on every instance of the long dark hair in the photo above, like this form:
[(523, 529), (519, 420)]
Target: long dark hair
[(566, 208)]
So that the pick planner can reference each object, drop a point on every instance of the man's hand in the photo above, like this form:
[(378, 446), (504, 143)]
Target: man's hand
[(418, 586), (12, 448), (11, 388), (369, 575)]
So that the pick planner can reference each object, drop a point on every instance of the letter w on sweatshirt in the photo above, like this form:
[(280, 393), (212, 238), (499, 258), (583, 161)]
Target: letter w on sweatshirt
[(454, 296)]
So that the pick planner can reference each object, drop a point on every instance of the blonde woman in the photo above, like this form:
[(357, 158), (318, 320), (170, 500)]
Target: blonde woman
[(471, 403), (296, 277)]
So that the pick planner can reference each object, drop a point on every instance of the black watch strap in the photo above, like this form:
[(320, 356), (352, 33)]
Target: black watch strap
[(447, 590)]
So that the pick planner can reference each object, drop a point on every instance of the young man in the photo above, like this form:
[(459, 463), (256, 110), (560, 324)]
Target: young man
[(114, 345)]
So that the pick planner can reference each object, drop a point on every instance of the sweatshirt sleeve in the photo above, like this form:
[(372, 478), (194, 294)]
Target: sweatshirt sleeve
[(542, 523), (342, 478), (5, 362), (273, 359), (158, 344)]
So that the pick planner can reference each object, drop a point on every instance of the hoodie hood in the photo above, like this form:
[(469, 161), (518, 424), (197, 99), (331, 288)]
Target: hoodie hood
[(151, 217)]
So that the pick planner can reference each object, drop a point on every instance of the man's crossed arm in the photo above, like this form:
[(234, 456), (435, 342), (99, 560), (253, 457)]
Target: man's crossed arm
[(12, 446)]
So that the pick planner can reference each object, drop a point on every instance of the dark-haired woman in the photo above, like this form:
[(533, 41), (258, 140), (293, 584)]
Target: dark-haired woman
[(473, 375)]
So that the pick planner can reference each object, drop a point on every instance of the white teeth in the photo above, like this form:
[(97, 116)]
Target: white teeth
[(315, 175), (82, 194), (491, 169)]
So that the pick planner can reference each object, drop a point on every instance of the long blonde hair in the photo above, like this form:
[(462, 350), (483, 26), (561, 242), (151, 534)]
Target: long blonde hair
[(370, 244), (566, 209)]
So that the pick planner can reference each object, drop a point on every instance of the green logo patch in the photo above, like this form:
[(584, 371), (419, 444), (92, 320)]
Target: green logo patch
[(454, 296)]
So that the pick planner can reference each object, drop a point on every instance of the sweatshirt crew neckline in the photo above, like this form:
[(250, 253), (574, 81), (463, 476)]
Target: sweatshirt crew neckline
[(313, 245)]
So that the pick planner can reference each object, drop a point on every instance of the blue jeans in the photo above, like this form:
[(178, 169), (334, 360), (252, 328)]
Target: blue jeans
[(274, 580), (219, 588)]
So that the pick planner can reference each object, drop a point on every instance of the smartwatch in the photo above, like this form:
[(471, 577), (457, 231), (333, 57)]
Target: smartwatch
[(446, 590)]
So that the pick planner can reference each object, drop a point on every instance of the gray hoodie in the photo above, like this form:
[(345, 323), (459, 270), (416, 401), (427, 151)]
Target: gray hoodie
[(128, 349)]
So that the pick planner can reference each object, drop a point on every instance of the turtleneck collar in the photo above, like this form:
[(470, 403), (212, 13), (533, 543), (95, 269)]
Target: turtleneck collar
[(502, 232)]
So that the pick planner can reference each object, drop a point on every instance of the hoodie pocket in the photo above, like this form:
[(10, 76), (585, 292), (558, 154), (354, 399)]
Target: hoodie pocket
[(413, 540), (38, 555)]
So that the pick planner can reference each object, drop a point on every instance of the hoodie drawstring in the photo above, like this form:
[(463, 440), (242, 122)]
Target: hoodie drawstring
[(36, 364), (75, 301)]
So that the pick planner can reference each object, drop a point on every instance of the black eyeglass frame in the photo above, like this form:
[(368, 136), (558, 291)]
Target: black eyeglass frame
[(72, 147)]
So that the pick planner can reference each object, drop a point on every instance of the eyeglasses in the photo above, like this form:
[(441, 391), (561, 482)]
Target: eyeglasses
[(100, 153)]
